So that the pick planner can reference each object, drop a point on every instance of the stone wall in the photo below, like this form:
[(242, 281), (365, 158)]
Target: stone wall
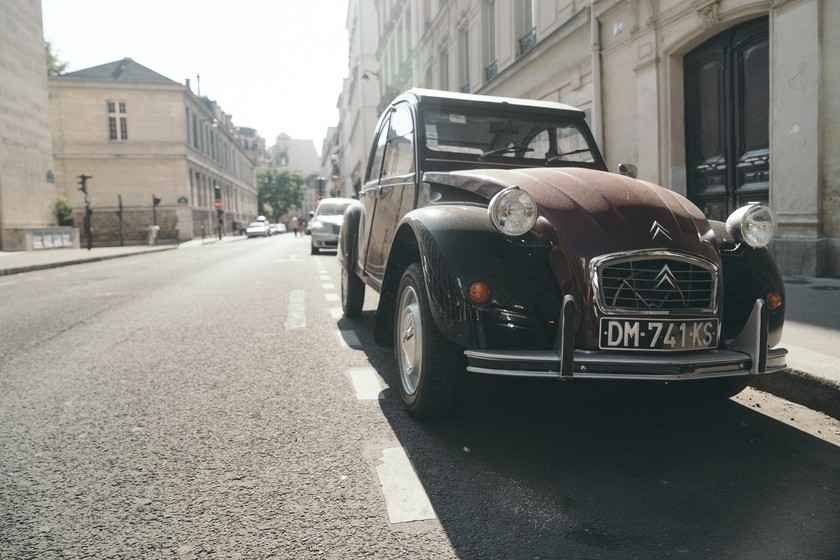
[(105, 227)]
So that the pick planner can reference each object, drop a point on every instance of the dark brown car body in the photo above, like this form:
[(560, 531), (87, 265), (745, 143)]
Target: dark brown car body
[(617, 279)]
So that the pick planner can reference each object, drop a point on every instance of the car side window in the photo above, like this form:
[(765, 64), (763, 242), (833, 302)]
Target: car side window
[(381, 142), (399, 155)]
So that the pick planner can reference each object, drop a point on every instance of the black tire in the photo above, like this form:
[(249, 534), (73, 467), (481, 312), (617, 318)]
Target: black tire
[(313, 250), (352, 291), (428, 364)]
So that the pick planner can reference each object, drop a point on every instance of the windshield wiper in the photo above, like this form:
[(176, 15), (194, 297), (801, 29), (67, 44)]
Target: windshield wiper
[(555, 157), (508, 150)]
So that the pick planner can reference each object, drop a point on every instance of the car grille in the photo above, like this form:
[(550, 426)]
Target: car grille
[(656, 283)]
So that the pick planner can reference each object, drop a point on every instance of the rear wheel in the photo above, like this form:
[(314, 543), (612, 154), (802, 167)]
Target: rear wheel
[(428, 364), (352, 291)]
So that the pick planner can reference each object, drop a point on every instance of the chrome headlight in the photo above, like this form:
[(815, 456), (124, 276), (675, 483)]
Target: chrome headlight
[(753, 224), (315, 225), (513, 211)]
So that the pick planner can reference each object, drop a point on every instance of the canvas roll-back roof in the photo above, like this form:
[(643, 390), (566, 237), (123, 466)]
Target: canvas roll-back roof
[(430, 96)]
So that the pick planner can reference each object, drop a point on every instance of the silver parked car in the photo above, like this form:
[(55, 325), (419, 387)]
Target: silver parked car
[(257, 229), (325, 223)]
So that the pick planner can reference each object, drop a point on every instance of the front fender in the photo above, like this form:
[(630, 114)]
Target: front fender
[(458, 246), (748, 274)]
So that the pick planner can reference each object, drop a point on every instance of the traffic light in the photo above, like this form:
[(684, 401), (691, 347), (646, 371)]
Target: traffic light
[(155, 201), (83, 182)]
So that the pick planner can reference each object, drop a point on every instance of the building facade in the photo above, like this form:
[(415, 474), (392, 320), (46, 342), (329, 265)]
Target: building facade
[(330, 170), (156, 154), (724, 101), (301, 157), (27, 189), (358, 104)]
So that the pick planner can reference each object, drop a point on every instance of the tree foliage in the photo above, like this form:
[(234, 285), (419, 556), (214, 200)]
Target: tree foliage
[(279, 191), (54, 65), (64, 211)]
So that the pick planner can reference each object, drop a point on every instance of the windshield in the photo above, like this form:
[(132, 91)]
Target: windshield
[(332, 208), (493, 135)]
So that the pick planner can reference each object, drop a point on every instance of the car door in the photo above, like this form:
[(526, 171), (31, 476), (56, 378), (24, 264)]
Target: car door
[(388, 198)]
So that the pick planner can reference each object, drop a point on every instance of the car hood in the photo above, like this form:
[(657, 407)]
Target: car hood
[(587, 213)]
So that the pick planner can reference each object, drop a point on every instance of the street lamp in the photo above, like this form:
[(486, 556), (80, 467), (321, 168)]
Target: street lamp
[(217, 204), (84, 188)]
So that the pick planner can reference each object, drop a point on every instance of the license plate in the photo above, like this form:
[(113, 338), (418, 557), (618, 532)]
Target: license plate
[(659, 334)]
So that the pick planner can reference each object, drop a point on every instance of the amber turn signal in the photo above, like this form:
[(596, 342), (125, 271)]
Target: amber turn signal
[(774, 300), (480, 292)]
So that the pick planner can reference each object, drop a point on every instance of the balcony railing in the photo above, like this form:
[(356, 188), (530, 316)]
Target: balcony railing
[(528, 41), (490, 71)]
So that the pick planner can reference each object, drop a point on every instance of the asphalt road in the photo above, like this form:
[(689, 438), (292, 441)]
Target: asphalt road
[(212, 403)]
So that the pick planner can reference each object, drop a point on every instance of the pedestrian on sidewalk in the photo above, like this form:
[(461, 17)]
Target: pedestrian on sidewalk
[(295, 224)]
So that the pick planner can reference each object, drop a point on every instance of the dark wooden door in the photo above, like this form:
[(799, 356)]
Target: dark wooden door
[(727, 108)]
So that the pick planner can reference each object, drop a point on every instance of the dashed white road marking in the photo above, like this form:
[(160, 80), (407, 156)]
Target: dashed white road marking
[(336, 312), (292, 258), (349, 338), (405, 498), (296, 314), (328, 286), (366, 383), (332, 297)]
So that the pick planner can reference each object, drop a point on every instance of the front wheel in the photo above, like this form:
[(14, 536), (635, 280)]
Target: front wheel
[(428, 364), (313, 250)]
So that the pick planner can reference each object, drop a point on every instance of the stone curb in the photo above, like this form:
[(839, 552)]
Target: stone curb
[(802, 388)]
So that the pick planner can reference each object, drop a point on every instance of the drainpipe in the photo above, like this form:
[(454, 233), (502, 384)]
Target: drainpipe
[(597, 110)]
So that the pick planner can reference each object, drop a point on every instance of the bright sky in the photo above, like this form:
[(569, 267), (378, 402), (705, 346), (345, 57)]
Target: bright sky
[(274, 65)]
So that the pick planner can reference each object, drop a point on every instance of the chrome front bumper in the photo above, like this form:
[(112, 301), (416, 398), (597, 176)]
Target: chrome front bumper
[(747, 355)]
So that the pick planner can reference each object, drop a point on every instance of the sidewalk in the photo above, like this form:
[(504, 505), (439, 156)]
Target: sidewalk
[(811, 335), (28, 261)]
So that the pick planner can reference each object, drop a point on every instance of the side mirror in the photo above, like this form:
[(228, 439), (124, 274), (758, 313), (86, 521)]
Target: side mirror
[(628, 170), (311, 214)]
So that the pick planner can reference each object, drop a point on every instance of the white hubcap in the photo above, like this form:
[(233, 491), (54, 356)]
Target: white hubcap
[(410, 340)]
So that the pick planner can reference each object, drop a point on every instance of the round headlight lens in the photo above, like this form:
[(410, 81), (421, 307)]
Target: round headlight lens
[(513, 211), (754, 224)]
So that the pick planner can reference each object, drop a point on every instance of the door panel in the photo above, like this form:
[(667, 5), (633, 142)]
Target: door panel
[(395, 191), (753, 81), (706, 127), (369, 193), (727, 116)]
